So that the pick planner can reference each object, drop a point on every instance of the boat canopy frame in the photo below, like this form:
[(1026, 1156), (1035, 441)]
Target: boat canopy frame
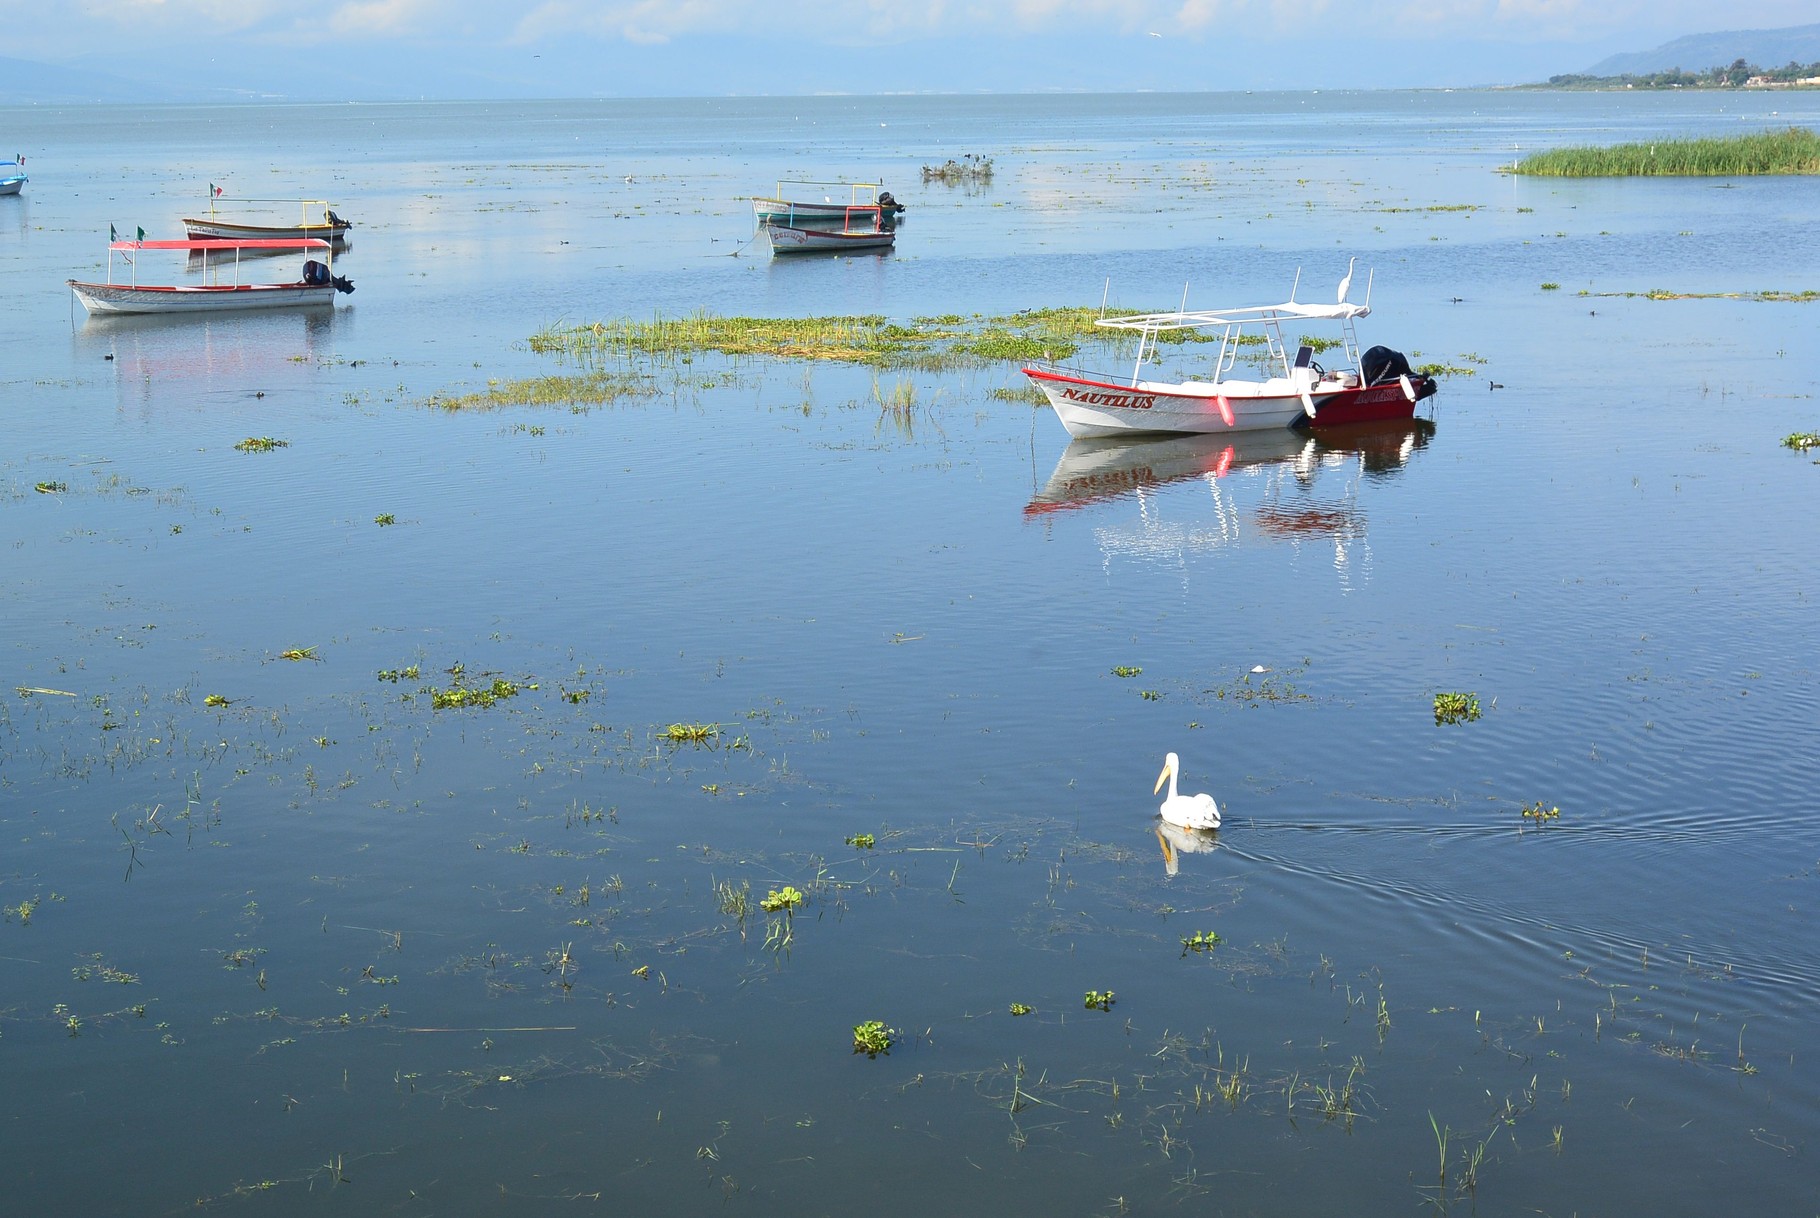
[(1267, 320), (853, 189), (218, 245)]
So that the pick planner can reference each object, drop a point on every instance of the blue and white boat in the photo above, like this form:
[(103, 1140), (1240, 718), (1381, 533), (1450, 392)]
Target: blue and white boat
[(12, 176)]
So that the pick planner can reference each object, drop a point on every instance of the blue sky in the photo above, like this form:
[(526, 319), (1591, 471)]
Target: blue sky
[(576, 47)]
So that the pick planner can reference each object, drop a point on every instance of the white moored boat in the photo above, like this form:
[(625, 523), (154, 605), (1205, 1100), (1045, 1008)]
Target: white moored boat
[(1374, 387), (12, 176), (858, 228), (317, 286), (329, 226), (821, 204)]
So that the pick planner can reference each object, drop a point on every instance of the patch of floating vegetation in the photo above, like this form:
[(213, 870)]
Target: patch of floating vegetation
[(1539, 814), (51, 488), (260, 444), (461, 692), (691, 733), (935, 343), (781, 900), (1455, 707), (1801, 441), (872, 1038), (1201, 941), (1769, 295), (972, 168), (1437, 207), (1795, 150), (1259, 685), (581, 389)]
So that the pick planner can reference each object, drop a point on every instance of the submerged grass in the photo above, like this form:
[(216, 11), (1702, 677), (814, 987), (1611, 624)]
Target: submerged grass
[(1795, 150)]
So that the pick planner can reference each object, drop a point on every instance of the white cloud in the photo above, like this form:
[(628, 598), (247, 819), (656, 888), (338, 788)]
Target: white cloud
[(383, 18)]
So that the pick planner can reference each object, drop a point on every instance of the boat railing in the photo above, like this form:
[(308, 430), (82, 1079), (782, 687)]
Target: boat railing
[(859, 194), (303, 206)]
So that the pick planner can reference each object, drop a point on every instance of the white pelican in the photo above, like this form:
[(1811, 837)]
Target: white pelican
[(1188, 811), (1346, 283)]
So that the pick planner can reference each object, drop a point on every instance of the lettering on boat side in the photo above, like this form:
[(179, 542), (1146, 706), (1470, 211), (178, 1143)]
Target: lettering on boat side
[(1096, 398)]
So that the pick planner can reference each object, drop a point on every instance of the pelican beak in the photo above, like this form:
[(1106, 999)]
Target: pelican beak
[(1161, 777)]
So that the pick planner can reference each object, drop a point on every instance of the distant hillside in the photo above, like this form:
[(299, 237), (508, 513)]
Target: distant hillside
[(28, 83), (1697, 52)]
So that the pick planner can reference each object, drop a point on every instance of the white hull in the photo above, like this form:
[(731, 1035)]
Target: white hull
[(785, 239), (10, 186), (99, 298), (203, 229), (1091, 408)]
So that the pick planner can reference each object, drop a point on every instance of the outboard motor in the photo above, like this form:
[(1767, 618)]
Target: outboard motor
[(886, 202), (1381, 366), (317, 275), (334, 220)]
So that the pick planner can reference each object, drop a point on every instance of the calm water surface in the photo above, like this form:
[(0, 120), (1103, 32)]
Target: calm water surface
[(324, 948)]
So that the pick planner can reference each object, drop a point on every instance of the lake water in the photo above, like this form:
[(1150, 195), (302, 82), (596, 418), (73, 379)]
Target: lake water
[(325, 948)]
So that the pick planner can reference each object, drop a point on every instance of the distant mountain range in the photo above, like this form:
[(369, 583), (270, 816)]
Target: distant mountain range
[(1698, 52)]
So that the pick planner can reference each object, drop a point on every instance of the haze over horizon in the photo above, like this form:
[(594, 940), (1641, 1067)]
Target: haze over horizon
[(444, 49)]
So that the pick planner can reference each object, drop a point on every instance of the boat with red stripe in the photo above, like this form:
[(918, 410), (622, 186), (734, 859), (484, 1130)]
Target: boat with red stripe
[(1296, 391)]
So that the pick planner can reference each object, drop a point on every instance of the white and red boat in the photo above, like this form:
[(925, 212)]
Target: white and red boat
[(859, 228), (1298, 392), (317, 286)]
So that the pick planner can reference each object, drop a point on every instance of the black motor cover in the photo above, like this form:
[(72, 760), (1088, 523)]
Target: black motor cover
[(1381, 364)]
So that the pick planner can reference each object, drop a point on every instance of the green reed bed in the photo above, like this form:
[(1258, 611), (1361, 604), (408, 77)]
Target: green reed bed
[(925, 342), (584, 389), (1795, 150)]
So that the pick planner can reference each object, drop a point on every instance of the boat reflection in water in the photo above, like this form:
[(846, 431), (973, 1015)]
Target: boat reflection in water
[(1176, 841), (168, 358), (1308, 487)]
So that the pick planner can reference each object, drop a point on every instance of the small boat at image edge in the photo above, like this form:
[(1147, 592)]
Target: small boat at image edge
[(317, 286), (1377, 386), (12, 176)]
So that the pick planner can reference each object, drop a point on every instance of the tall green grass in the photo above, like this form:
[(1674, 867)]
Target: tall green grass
[(1795, 150)]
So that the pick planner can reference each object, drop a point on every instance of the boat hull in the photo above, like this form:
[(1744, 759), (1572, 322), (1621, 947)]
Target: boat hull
[(200, 230), (785, 211), (11, 186), (1089, 407), (118, 298), (788, 239)]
